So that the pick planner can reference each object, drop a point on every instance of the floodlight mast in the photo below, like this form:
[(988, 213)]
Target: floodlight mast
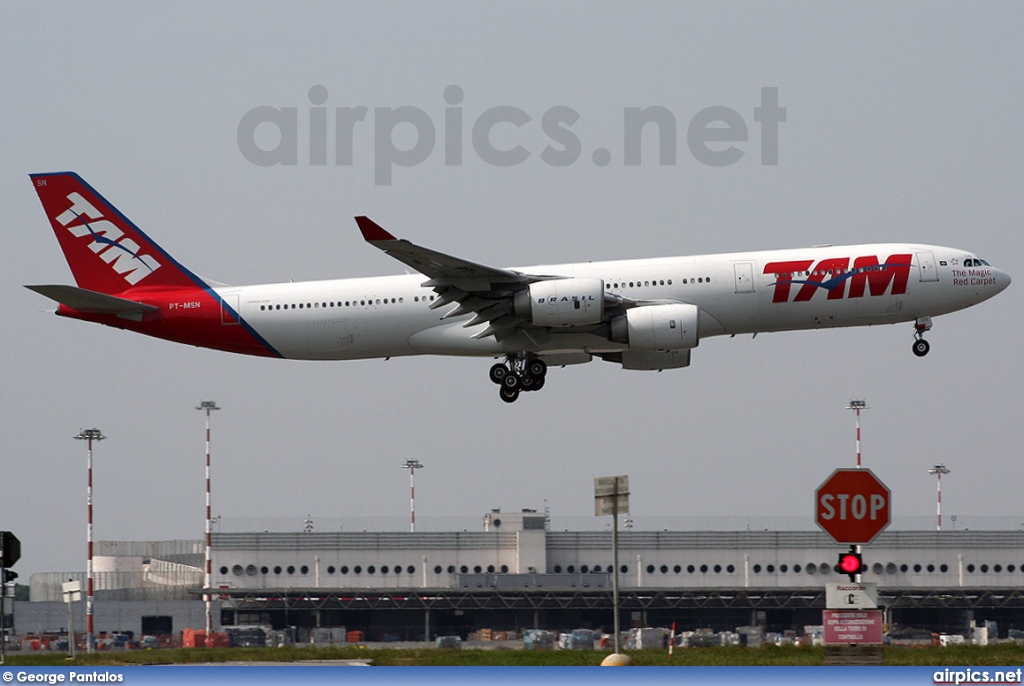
[(89, 435), (412, 465), (938, 470), (857, 406), (208, 406)]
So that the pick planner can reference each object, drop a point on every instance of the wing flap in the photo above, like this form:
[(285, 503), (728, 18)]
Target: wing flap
[(475, 289)]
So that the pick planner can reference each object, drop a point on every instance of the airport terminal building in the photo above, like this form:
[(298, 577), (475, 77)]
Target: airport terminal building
[(517, 574)]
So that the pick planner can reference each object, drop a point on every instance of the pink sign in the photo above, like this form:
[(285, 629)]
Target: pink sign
[(852, 626)]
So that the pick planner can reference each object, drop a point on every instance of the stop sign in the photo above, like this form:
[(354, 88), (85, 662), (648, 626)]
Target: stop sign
[(852, 506)]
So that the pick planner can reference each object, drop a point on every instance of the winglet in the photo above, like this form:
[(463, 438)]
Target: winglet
[(373, 231)]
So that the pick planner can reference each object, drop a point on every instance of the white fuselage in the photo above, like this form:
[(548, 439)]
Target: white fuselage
[(778, 290)]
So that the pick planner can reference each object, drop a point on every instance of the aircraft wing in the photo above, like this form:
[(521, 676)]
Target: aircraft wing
[(487, 292), (85, 300), (436, 265)]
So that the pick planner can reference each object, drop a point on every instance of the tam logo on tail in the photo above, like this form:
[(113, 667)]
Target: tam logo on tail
[(109, 242), (88, 226)]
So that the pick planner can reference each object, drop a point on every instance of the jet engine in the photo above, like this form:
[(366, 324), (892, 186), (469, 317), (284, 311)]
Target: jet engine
[(562, 302), (651, 328)]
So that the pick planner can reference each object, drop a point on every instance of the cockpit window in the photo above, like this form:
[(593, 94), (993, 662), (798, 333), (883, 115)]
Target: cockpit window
[(975, 262)]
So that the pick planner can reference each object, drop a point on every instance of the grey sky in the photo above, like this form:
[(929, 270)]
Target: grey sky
[(903, 124)]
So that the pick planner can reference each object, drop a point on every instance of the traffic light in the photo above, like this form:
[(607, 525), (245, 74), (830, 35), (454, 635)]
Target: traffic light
[(850, 563), (10, 552), (10, 549)]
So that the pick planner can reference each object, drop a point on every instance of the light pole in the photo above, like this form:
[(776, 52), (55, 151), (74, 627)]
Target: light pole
[(938, 470), (208, 406), (89, 435), (857, 406), (412, 466), (611, 496)]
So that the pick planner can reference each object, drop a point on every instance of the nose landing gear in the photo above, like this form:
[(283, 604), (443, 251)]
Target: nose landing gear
[(519, 373), (921, 346)]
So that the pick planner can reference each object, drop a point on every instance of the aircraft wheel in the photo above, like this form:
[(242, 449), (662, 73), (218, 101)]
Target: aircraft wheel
[(538, 384), (537, 369), (921, 347), (498, 373), (511, 382), (527, 383), (509, 395)]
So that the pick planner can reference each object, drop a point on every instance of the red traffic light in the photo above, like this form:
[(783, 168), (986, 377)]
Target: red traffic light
[(849, 563)]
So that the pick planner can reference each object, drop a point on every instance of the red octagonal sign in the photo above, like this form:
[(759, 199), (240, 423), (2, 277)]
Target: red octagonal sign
[(852, 506)]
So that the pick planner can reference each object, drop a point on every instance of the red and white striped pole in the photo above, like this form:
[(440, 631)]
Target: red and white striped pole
[(209, 406), (938, 470), (857, 406), (858, 439), (412, 466), (88, 435)]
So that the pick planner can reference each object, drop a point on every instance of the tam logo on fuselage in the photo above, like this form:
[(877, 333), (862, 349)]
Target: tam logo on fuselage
[(121, 253), (865, 276)]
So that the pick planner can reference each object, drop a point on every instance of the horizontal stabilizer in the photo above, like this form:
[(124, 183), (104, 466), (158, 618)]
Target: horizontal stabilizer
[(96, 303)]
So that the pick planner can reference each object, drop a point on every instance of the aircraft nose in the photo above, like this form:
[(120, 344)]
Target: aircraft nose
[(1002, 279)]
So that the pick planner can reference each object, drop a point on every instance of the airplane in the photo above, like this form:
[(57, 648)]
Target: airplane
[(643, 314)]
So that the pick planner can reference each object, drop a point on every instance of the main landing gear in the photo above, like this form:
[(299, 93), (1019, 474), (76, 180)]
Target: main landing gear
[(517, 374), (921, 346)]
